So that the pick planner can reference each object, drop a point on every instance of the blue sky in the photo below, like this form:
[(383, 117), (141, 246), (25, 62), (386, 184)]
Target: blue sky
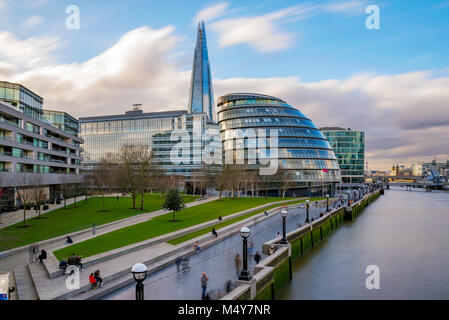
[(413, 35), (393, 83)]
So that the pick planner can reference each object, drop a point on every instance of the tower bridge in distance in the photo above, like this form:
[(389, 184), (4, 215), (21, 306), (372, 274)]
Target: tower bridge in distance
[(410, 182)]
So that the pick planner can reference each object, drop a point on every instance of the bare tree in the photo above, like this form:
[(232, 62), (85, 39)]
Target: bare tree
[(77, 186), (285, 180), (127, 170), (101, 176), (24, 181), (144, 168), (38, 195)]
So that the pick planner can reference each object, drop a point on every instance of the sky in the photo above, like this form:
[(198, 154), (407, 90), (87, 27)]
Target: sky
[(319, 56)]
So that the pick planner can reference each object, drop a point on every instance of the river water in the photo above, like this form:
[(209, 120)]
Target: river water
[(404, 233)]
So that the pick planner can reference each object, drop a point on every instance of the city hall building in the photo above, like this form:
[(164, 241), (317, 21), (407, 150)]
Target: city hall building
[(303, 152)]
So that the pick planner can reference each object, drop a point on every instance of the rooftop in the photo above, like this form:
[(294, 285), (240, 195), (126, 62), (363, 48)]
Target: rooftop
[(133, 114)]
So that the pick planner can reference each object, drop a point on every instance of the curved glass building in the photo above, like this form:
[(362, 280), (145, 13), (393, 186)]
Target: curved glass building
[(303, 152)]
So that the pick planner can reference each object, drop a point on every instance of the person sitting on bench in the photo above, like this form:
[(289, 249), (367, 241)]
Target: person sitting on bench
[(68, 240), (63, 265), (92, 281)]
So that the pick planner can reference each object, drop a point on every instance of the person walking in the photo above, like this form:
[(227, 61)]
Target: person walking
[(257, 257), (204, 281), (214, 233), (238, 263)]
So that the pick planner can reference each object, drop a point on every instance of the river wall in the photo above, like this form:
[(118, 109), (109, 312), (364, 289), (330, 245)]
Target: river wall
[(276, 270)]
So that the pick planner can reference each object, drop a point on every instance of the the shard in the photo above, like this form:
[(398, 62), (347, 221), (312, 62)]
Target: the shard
[(201, 94)]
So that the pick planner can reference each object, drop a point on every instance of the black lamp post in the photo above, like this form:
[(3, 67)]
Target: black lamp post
[(327, 203), (349, 197), (307, 211), (139, 271), (284, 215), (245, 274)]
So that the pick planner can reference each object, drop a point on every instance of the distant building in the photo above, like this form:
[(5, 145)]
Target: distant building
[(201, 98), (21, 98), (349, 147)]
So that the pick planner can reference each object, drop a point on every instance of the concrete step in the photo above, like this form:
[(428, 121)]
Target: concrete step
[(24, 284)]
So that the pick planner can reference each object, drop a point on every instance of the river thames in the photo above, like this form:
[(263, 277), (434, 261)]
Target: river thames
[(404, 233)]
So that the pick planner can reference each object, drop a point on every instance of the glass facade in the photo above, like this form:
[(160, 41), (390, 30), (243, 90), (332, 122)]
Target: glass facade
[(62, 121), (303, 151), (21, 98), (107, 135), (349, 147), (201, 94)]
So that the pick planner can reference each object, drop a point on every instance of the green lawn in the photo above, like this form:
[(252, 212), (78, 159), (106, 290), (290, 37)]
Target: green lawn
[(64, 221), (161, 225), (219, 225)]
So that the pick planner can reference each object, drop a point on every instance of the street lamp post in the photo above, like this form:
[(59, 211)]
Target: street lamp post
[(307, 211), (327, 203), (284, 215), (139, 271), (245, 274)]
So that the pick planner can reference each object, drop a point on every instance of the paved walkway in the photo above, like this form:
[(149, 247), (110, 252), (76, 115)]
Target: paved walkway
[(20, 259)]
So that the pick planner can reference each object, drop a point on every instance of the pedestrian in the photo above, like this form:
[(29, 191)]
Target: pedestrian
[(117, 198), (98, 279), (78, 262), (92, 281), (178, 264), (271, 250), (250, 246), (266, 213), (42, 256), (63, 265), (257, 257), (196, 247), (238, 263), (72, 260), (229, 286), (68, 240), (278, 235), (204, 280), (214, 233), (220, 218)]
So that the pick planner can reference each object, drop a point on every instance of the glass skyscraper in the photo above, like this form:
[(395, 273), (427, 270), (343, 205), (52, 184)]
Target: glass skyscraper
[(349, 147), (201, 94), (303, 151)]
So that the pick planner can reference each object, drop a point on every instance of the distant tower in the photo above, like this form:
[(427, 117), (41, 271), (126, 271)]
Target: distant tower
[(201, 93)]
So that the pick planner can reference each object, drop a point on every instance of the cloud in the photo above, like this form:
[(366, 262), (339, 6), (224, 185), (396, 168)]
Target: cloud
[(3, 4), (405, 116), (346, 6), (211, 13), (33, 21), (260, 32)]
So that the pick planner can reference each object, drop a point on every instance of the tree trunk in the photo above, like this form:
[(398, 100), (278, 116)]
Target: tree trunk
[(220, 195), (24, 214), (65, 202), (174, 215), (103, 201), (141, 202), (134, 201), (74, 203)]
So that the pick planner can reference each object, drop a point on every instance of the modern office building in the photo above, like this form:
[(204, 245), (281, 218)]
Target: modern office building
[(61, 120), (201, 98), (303, 151), (349, 147), (104, 135), (35, 152)]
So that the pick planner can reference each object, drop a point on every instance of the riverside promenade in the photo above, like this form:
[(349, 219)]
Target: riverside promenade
[(48, 283)]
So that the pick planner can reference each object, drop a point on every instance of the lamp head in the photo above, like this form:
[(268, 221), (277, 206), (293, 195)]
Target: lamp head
[(245, 232)]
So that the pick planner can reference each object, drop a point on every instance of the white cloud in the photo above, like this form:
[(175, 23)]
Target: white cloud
[(405, 116), (260, 32), (211, 13), (346, 6), (33, 21)]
